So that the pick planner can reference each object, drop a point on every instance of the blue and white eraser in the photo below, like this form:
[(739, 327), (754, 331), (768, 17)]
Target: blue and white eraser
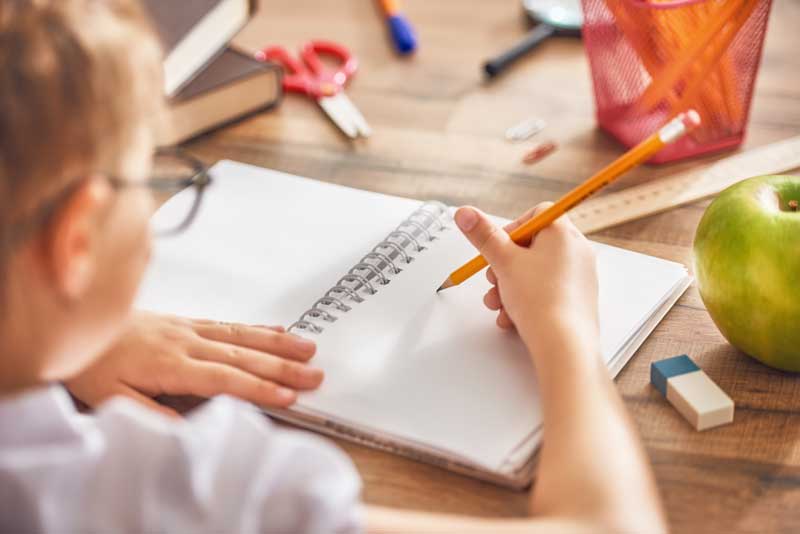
[(692, 392)]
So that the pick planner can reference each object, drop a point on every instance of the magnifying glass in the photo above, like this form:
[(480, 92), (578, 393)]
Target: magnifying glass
[(554, 17)]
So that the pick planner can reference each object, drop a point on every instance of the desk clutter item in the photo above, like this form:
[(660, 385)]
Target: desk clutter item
[(425, 375), (652, 59), (193, 33), (309, 76), (539, 151), (662, 194), (401, 31), (525, 130), (207, 83), (691, 392), (552, 17), (233, 86)]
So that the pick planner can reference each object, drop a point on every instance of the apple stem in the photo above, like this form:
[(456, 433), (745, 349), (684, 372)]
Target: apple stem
[(793, 205)]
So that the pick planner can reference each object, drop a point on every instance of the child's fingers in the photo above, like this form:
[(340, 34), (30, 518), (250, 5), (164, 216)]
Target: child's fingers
[(513, 225), (492, 299), (490, 240), (207, 379), (283, 371), (504, 321), (491, 276), (265, 339), (276, 328)]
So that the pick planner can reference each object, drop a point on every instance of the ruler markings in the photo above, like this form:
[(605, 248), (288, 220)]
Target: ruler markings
[(685, 187)]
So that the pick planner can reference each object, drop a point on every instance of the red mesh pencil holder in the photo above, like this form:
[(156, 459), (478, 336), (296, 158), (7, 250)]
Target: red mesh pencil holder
[(652, 59)]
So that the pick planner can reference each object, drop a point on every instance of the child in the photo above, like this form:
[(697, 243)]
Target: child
[(78, 86)]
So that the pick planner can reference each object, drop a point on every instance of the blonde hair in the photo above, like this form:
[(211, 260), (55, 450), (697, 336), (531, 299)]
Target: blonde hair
[(78, 79)]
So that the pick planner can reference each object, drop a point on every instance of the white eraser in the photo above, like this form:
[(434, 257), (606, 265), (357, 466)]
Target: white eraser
[(692, 392)]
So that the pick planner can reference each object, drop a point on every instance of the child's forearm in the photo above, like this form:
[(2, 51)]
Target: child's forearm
[(592, 465), (593, 475)]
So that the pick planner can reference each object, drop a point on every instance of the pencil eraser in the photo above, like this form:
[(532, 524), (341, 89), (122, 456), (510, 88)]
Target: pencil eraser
[(689, 389)]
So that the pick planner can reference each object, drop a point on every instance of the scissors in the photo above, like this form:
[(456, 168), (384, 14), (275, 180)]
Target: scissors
[(310, 77)]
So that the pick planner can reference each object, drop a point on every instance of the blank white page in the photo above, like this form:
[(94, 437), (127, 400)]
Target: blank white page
[(407, 362), (264, 246)]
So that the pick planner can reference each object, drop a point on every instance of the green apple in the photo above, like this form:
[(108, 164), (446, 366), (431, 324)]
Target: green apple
[(747, 264)]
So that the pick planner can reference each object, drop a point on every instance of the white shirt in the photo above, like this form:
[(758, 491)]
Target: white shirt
[(225, 469)]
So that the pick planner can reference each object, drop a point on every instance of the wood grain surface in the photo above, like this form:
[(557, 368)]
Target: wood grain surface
[(438, 134)]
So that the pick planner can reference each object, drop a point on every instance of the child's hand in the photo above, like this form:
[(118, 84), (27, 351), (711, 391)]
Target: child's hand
[(166, 355), (548, 285)]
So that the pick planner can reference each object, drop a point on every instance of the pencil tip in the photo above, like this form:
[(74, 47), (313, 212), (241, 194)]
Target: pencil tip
[(447, 283)]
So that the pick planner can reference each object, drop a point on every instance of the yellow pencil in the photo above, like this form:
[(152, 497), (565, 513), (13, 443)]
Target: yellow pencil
[(670, 132)]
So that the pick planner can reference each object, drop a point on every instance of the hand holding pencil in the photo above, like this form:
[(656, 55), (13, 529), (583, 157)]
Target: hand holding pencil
[(536, 288), (669, 133)]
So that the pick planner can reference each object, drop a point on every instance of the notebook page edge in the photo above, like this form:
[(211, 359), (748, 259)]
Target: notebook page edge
[(516, 478), (635, 343)]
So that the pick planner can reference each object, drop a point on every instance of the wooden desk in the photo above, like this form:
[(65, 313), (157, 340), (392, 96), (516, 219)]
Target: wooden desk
[(439, 134)]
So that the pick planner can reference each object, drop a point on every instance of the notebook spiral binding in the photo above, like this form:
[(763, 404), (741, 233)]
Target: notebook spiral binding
[(370, 272)]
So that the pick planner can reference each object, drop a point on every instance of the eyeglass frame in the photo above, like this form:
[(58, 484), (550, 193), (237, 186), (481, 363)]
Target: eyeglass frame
[(200, 180)]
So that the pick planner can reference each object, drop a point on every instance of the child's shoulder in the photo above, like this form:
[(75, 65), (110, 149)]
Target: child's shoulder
[(224, 464)]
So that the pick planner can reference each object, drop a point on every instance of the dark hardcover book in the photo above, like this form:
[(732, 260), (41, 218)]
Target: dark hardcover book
[(193, 33), (231, 87)]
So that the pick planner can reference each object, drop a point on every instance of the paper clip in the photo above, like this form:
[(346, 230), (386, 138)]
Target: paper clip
[(525, 130)]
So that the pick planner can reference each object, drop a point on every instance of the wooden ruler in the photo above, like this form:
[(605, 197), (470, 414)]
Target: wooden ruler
[(685, 187)]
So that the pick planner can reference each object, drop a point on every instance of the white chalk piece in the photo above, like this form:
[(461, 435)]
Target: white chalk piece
[(692, 392)]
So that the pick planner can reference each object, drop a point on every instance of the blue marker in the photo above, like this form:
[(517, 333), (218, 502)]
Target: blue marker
[(403, 35)]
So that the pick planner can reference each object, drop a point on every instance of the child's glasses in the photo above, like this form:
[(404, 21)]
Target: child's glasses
[(173, 171)]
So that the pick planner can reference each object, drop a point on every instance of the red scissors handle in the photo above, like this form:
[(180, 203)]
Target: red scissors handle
[(311, 77)]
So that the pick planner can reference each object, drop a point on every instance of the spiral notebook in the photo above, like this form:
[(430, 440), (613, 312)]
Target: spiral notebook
[(423, 374)]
